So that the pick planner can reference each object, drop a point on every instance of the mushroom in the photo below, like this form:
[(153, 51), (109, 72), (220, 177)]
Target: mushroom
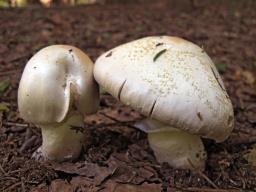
[(56, 90), (177, 86)]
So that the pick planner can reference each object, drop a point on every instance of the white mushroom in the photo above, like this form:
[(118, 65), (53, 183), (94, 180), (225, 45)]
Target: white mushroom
[(172, 81), (56, 90)]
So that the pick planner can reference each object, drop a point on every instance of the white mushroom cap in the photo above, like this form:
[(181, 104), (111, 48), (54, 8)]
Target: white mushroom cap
[(56, 79), (171, 80)]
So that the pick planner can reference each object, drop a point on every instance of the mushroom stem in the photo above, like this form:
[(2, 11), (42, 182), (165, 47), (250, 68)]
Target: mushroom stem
[(61, 141), (178, 148)]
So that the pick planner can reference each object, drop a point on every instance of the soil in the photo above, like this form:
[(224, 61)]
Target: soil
[(116, 156)]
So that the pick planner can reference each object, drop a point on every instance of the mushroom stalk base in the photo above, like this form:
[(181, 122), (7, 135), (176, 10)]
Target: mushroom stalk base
[(180, 149), (61, 141)]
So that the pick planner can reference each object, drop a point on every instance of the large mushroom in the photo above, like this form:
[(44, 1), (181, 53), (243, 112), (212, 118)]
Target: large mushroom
[(176, 85), (56, 90)]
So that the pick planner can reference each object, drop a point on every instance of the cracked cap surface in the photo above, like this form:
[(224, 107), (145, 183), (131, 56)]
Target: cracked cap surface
[(171, 80)]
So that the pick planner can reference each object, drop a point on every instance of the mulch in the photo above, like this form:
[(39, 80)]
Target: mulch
[(116, 156)]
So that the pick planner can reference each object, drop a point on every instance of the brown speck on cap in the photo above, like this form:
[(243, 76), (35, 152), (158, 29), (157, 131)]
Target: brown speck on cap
[(109, 54), (159, 44), (200, 116)]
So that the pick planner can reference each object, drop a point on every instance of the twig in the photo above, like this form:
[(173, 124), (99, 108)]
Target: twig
[(12, 72), (195, 189), (9, 99), (12, 186), (23, 185), (208, 180), (118, 122), (8, 123), (250, 132), (8, 178), (203, 175), (2, 170), (15, 171), (16, 129), (243, 140), (17, 58), (101, 125), (128, 124), (28, 134), (27, 143)]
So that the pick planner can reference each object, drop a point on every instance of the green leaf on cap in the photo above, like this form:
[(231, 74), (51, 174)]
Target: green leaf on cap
[(159, 54), (222, 67)]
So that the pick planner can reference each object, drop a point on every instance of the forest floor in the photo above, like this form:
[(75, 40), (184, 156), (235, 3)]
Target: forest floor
[(117, 157)]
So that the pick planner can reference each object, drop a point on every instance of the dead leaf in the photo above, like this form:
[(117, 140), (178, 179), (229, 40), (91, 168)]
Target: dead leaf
[(4, 107), (251, 155), (145, 187), (251, 116), (4, 86), (123, 113), (41, 188), (248, 77), (3, 48), (84, 184), (1, 122), (96, 119), (90, 170), (134, 173), (60, 185), (56, 19), (125, 174), (76, 184)]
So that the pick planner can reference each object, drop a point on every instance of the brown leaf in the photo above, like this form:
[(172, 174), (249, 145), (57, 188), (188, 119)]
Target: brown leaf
[(241, 74), (76, 184), (3, 48), (147, 172), (84, 184), (133, 173), (41, 188), (251, 156), (57, 19), (145, 187), (251, 116), (89, 170), (125, 174), (96, 119), (248, 77), (60, 185), (123, 113)]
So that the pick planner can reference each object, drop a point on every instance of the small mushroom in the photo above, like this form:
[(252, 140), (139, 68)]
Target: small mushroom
[(56, 90), (176, 85)]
